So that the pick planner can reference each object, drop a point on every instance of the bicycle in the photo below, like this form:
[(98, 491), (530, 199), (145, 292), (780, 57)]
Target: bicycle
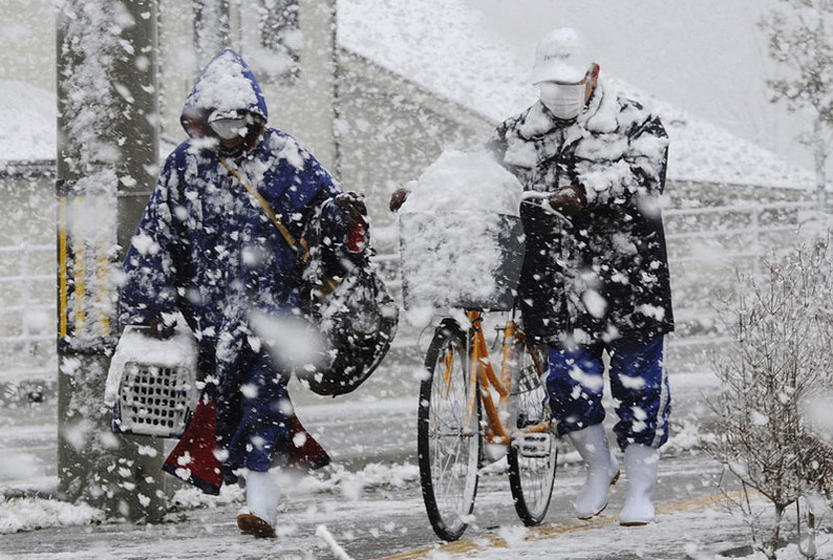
[(455, 397)]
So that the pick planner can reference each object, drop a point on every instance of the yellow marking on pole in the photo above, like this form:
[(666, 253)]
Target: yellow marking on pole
[(62, 267), (80, 289), (545, 532), (102, 273), (78, 275)]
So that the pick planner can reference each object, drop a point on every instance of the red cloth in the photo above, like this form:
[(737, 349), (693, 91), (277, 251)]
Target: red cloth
[(193, 459), (357, 237), (304, 452)]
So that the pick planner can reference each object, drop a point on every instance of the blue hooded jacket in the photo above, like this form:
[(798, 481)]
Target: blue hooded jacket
[(206, 248)]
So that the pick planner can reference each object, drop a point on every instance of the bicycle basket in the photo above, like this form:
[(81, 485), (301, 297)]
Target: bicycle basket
[(460, 259), (151, 384)]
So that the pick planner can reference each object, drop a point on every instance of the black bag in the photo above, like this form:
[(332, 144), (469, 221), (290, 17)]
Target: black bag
[(359, 319), (356, 314)]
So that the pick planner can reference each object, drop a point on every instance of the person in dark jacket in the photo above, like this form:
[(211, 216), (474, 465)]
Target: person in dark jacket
[(597, 281), (595, 275), (206, 247)]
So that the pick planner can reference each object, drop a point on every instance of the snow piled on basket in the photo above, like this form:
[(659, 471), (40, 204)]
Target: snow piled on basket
[(138, 345), (469, 181), (453, 232), (460, 58)]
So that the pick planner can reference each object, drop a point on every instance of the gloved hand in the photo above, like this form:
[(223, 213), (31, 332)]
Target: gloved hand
[(356, 213), (353, 206), (397, 199), (162, 327), (569, 200)]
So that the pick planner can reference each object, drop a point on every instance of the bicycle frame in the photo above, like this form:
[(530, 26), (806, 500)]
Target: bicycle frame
[(472, 413), (480, 370)]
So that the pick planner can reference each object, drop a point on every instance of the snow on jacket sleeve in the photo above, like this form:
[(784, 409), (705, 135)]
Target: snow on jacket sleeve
[(150, 265), (624, 164)]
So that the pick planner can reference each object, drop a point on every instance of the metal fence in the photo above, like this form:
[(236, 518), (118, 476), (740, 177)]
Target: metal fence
[(713, 253), (710, 248), (27, 312)]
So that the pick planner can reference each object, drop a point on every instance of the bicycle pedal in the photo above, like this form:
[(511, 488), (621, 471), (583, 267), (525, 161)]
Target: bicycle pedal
[(525, 421), (533, 446)]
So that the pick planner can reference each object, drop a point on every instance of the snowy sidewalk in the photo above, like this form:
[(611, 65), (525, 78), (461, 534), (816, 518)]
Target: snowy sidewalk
[(370, 502), (377, 513)]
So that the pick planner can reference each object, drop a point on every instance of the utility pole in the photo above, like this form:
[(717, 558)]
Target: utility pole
[(107, 161)]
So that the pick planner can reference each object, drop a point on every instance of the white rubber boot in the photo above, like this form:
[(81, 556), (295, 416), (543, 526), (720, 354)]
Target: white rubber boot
[(641, 468), (262, 496), (602, 470)]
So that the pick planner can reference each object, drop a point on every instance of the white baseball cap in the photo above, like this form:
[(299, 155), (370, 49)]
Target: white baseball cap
[(561, 56)]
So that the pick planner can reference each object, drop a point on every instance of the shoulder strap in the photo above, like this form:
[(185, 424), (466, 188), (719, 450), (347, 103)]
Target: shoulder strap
[(290, 239)]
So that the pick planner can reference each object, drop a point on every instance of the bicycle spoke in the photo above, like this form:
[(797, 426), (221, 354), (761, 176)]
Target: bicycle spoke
[(532, 455), (447, 450)]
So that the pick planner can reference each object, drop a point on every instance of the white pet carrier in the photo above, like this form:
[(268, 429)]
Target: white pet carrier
[(151, 384)]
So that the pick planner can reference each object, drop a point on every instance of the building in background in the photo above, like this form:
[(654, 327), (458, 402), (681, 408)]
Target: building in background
[(377, 90)]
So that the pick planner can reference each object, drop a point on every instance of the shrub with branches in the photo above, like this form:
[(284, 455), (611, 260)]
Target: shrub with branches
[(780, 358), (800, 41)]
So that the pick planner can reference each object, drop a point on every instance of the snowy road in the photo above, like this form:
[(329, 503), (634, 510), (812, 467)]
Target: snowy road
[(373, 515)]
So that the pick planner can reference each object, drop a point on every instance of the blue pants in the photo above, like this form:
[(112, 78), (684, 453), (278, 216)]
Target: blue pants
[(638, 382), (251, 414)]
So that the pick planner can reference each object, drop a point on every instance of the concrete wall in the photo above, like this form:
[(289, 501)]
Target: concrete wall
[(303, 107)]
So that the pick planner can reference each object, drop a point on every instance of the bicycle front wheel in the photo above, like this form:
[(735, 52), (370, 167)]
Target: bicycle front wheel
[(448, 437), (532, 454)]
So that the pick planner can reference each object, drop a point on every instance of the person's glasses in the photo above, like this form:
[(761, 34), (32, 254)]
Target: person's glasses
[(228, 129)]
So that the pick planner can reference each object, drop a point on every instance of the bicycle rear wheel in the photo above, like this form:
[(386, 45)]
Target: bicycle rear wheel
[(448, 438), (531, 456)]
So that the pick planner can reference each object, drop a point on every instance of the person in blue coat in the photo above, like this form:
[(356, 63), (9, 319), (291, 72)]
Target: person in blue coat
[(207, 248)]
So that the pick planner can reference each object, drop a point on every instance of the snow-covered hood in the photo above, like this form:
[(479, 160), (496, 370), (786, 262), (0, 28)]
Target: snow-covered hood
[(225, 84)]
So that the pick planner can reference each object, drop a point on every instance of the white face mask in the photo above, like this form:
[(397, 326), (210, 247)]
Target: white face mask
[(228, 129), (563, 101)]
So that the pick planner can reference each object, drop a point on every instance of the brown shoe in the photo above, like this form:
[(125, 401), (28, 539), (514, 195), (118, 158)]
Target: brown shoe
[(250, 524)]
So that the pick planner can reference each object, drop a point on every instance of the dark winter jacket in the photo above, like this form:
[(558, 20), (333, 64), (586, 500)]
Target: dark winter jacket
[(606, 276), (206, 248)]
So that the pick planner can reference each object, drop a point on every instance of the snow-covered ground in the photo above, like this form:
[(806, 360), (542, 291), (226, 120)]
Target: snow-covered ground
[(377, 513), (373, 508)]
